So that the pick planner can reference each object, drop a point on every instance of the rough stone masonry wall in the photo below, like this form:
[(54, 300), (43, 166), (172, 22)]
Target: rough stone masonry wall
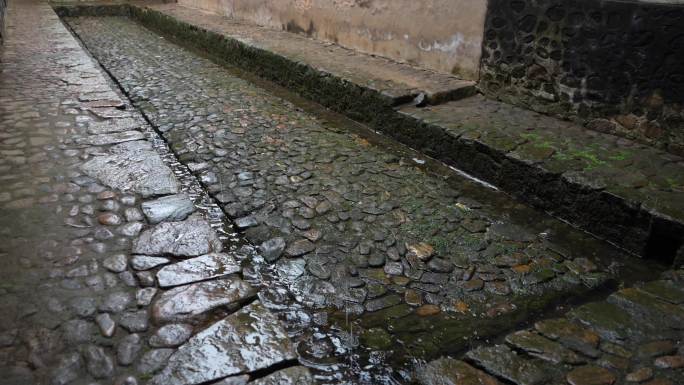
[(444, 35), (617, 66), (3, 7)]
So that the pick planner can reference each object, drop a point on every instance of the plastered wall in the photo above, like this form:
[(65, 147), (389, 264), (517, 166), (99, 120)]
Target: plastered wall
[(444, 35)]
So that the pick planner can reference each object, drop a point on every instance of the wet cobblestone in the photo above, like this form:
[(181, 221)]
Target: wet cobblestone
[(74, 303), (358, 240), (369, 255)]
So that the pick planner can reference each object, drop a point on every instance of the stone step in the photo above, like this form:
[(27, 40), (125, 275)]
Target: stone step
[(628, 193), (597, 343)]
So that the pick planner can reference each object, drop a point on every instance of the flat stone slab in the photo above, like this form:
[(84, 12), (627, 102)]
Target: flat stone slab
[(198, 269), (113, 125), (543, 348), (250, 339), (145, 262), (172, 208), (133, 169), (189, 301), (111, 138), (171, 335), (449, 371), (644, 307), (505, 363), (190, 238), (608, 320)]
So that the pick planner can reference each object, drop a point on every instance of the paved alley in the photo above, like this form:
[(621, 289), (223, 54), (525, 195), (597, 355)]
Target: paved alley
[(166, 220), (85, 184)]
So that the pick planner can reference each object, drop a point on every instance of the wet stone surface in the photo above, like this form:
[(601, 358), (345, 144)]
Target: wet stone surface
[(189, 301), (247, 340), (360, 258), (85, 187), (190, 238), (133, 168), (353, 237), (604, 342), (197, 269)]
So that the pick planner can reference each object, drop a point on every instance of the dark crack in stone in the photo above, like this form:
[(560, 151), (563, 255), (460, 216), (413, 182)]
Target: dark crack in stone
[(197, 269)]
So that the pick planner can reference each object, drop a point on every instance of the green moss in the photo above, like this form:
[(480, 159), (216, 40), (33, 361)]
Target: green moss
[(588, 155), (621, 155), (429, 231), (441, 244), (538, 141), (376, 338), (672, 183)]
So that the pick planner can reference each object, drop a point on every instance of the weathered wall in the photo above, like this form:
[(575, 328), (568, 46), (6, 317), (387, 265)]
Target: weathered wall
[(445, 35), (3, 9), (592, 59)]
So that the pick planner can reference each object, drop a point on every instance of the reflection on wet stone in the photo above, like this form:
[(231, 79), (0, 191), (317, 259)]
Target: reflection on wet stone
[(73, 198), (185, 302), (172, 208), (197, 269), (189, 238), (137, 170), (248, 340)]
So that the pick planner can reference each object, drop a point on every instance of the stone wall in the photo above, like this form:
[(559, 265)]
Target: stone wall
[(444, 35), (3, 9), (617, 66)]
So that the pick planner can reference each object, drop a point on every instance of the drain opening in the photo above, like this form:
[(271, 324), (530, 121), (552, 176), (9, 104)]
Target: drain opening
[(663, 247)]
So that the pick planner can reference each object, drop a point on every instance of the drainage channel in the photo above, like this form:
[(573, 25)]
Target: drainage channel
[(373, 260)]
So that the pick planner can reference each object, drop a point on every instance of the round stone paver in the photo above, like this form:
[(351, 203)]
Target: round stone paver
[(590, 375)]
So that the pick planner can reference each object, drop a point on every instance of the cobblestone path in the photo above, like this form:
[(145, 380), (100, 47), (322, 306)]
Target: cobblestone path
[(97, 223), (370, 259), (262, 241)]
